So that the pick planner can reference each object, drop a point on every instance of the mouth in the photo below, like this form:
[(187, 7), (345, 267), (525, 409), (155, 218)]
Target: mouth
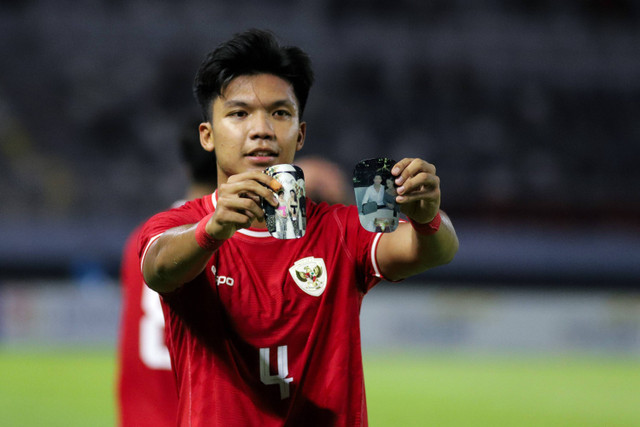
[(261, 157)]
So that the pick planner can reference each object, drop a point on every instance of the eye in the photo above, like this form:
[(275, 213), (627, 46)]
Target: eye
[(238, 113), (282, 113)]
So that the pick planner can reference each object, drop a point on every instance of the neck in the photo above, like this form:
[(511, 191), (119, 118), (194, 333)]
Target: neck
[(259, 224)]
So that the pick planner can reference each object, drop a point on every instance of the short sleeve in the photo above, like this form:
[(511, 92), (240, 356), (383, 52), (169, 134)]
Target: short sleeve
[(189, 213)]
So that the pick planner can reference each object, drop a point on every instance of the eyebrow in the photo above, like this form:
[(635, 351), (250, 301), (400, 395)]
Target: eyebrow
[(280, 103)]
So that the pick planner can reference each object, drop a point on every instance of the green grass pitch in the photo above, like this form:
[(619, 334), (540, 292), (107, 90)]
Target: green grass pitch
[(76, 388), (461, 390)]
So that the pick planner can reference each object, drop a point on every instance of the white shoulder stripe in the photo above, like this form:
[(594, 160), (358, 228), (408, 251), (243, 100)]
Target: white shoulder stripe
[(153, 239), (374, 261)]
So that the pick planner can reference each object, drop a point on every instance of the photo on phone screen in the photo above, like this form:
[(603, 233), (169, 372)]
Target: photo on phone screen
[(375, 194)]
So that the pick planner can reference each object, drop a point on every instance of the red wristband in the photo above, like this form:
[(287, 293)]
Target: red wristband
[(204, 239), (428, 228)]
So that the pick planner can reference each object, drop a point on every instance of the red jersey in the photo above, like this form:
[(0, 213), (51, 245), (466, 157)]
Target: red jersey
[(269, 333), (147, 393)]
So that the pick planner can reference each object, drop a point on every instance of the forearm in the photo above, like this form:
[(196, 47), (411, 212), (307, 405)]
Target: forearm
[(173, 259), (180, 254), (406, 252), (436, 249)]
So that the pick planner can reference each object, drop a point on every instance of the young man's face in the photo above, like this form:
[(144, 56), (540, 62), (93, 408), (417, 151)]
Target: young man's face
[(255, 125)]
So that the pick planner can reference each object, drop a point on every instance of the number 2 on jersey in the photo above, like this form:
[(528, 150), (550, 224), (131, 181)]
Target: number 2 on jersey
[(283, 370)]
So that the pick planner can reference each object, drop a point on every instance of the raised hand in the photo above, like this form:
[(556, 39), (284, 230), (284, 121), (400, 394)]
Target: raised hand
[(419, 189), (238, 203)]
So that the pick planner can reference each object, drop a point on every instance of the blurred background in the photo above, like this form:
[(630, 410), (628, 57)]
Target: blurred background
[(528, 109)]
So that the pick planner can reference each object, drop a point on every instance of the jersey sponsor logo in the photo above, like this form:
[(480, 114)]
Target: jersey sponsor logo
[(222, 280), (310, 274)]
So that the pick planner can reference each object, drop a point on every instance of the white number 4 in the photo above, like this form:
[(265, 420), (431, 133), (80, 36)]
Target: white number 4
[(283, 370)]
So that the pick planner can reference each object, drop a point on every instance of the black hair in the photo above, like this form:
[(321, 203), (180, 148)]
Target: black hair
[(200, 163), (249, 53)]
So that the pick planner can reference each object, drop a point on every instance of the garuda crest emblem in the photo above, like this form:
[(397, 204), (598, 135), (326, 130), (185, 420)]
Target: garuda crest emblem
[(310, 274)]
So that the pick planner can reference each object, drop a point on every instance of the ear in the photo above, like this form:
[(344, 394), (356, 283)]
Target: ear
[(206, 136), (302, 131)]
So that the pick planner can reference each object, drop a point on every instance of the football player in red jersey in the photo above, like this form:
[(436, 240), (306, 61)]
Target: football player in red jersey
[(265, 331), (147, 394)]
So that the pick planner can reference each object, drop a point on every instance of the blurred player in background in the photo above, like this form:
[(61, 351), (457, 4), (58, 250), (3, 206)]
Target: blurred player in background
[(325, 181), (147, 394), (265, 331)]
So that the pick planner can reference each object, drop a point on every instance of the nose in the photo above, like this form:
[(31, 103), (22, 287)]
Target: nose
[(261, 126)]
